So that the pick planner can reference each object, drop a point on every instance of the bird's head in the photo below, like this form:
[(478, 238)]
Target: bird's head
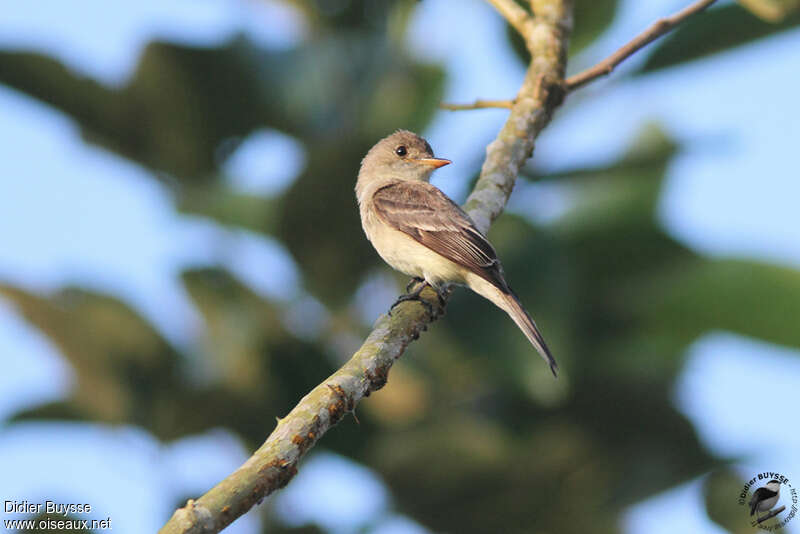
[(403, 155), (773, 485)]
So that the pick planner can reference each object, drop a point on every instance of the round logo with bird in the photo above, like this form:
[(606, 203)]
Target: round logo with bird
[(769, 500)]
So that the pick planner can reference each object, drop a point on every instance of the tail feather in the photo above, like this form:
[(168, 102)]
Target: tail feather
[(513, 307), (506, 300)]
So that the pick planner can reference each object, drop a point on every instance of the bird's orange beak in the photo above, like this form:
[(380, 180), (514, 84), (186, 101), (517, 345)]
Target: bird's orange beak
[(434, 162)]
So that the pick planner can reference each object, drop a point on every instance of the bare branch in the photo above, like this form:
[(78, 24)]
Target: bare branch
[(275, 462), (516, 16), (605, 67), (770, 515), (479, 104), (653, 32)]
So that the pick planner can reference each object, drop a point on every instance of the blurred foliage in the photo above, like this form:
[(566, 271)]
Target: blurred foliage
[(771, 10), (721, 490), (471, 433), (347, 85), (125, 373)]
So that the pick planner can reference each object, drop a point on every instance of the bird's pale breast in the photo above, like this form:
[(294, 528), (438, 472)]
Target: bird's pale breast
[(407, 255)]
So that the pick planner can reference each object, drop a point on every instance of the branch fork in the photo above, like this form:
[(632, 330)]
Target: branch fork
[(523, 24)]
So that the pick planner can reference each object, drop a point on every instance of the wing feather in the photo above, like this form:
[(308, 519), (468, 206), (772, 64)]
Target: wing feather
[(423, 212)]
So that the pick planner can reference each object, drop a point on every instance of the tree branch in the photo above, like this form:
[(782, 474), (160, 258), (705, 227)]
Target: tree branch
[(770, 515), (605, 67), (275, 462), (653, 32), (479, 104), (516, 16)]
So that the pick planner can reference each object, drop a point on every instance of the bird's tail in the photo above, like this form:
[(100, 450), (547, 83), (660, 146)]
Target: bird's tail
[(513, 307), (506, 300)]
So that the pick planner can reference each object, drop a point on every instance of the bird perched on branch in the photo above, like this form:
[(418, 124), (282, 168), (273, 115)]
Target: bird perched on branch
[(419, 231), (765, 498)]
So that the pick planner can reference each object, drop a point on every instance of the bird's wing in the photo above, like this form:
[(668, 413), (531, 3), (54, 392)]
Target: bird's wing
[(423, 212), (753, 503), (761, 494)]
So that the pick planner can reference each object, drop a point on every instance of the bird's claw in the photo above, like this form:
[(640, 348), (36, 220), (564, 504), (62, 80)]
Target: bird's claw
[(415, 280), (442, 302), (413, 297)]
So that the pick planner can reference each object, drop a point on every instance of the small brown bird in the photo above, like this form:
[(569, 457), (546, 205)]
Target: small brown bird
[(419, 231)]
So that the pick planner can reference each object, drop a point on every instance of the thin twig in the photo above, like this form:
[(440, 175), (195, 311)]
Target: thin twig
[(653, 32), (770, 515), (605, 67), (514, 14), (479, 104), (275, 462)]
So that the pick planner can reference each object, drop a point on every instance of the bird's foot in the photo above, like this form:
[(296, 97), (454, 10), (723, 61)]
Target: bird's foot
[(415, 280), (441, 294), (415, 295)]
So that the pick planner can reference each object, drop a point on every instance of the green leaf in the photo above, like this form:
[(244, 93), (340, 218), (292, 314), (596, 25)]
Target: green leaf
[(771, 10), (590, 19), (750, 298), (712, 31), (721, 491), (119, 360)]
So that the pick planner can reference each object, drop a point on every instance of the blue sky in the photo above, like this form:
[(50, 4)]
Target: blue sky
[(733, 192)]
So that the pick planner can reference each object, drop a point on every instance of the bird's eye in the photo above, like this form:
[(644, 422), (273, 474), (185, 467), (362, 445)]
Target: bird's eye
[(401, 151)]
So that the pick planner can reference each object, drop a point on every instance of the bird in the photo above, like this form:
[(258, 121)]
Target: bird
[(765, 497), (419, 231)]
